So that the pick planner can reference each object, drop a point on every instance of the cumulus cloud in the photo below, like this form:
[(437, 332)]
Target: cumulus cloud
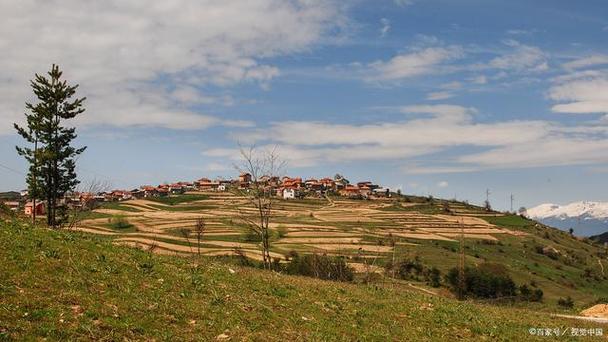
[(121, 51), (412, 64)]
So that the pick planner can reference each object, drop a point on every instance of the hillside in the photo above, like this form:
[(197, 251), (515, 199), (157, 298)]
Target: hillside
[(62, 285), (602, 238), (370, 235), (585, 218)]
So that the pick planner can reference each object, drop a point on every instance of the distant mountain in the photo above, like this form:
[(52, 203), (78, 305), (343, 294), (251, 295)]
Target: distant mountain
[(586, 218)]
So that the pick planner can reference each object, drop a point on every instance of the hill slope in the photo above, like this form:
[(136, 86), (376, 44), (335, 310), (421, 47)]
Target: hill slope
[(67, 285), (372, 232)]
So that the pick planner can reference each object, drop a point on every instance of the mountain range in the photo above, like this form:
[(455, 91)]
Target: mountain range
[(585, 218)]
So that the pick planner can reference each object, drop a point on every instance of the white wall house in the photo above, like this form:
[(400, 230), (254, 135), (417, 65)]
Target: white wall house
[(289, 193)]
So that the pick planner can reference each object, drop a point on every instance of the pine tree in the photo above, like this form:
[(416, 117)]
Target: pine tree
[(52, 160)]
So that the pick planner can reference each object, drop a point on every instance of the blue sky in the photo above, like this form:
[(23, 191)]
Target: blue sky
[(447, 98)]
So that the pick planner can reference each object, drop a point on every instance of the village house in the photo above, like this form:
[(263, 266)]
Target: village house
[(29, 208), (138, 193), (149, 191), (245, 178), (12, 205), (350, 191), (381, 193), (176, 189), (289, 193)]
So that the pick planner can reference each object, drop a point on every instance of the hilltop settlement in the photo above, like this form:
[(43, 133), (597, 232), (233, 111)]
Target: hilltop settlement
[(287, 188)]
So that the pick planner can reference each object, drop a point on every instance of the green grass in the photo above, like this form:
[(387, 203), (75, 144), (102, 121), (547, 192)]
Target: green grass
[(177, 199), (59, 285), (190, 207), (119, 206)]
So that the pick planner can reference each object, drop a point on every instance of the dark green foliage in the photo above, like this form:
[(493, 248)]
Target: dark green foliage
[(434, 277), (120, 222), (487, 280), (530, 295), (178, 199), (320, 266), (566, 302), (52, 161)]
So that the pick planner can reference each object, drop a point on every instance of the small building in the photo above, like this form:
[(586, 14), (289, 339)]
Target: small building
[(29, 208), (12, 205), (138, 193), (289, 193), (245, 178)]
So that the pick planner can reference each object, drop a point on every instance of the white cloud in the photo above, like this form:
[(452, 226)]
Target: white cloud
[(430, 130), (523, 58), (442, 184), (439, 95), (581, 94), (481, 79), (416, 63), (403, 3), (586, 62), (385, 28), (122, 51)]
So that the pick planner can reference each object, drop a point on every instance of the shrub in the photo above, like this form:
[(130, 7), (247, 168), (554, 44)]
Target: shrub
[(530, 295), (320, 266), (120, 222), (433, 276), (566, 302), (487, 280)]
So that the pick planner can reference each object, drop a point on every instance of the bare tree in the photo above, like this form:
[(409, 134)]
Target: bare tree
[(260, 163), (92, 187), (199, 230)]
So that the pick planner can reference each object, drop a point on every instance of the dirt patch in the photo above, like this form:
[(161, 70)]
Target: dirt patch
[(363, 268), (597, 311)]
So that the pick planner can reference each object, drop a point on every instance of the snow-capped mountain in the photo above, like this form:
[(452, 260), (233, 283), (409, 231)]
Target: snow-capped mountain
[(586, 218)]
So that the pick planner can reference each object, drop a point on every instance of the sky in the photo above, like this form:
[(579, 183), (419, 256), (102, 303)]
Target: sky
[(434, 97)]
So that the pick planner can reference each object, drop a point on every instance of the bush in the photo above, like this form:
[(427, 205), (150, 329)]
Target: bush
[(320, 266), (487, 280), (530, 295), (566, 302), (120, 222), (433, 276)]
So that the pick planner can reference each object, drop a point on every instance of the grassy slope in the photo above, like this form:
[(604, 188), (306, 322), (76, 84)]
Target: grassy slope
[(64, 285), (557, 278)]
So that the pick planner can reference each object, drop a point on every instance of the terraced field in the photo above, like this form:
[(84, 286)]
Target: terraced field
[(360, 230)]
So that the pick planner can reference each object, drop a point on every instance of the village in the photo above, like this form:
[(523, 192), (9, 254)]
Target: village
[(286, 188)]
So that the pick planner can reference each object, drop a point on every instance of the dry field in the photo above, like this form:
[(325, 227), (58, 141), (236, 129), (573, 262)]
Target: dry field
[(360, 230)]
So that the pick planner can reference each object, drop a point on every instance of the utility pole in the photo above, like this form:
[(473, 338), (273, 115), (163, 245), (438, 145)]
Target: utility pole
[(488, 195), (512, 198)]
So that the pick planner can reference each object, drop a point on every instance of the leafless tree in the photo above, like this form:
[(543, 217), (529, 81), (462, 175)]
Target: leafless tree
[(77, 214), (259, 163), (199, 230)]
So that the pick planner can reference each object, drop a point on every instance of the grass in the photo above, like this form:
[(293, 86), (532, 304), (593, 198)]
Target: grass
[(59, 285), (190, 207), (178, 199), (119, 206)]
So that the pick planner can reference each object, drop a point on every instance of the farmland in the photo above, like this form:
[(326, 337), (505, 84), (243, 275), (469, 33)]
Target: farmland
[(367, 233)]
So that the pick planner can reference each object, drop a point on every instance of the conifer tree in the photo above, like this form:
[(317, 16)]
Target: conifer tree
[(52, 159)]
